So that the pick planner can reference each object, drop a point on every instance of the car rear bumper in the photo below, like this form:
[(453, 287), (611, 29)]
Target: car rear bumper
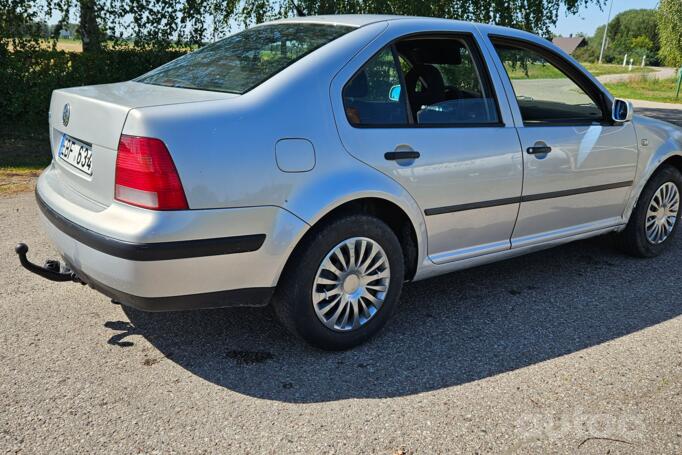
[(166, 261)]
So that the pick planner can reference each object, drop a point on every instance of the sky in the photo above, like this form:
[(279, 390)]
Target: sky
[(588, 19)]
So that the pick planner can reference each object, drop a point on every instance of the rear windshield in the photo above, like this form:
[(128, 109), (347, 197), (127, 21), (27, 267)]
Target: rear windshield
[(243, 61)]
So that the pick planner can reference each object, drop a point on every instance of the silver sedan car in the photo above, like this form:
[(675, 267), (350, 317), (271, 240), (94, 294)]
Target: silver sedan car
[(319, 163)]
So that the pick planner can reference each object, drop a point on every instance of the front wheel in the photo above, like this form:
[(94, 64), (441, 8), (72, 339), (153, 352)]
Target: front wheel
[(654, 221), (342, 284)]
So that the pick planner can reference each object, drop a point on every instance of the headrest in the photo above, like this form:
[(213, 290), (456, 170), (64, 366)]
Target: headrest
[(433, 51), (432, 77), (359, 86)]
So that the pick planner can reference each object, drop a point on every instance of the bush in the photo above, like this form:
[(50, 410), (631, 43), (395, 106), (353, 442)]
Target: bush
[(28, 77)]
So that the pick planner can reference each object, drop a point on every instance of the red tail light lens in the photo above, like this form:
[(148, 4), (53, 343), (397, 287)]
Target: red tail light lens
[(146, 175)]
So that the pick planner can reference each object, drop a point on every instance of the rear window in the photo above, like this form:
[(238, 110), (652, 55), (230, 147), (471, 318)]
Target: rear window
[(243, 61)]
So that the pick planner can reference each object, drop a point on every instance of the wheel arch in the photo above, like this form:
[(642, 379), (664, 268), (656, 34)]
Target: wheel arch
[(410, 233), (657, 161)]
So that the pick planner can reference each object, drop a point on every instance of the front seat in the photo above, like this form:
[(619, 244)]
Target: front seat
[(431, 89)]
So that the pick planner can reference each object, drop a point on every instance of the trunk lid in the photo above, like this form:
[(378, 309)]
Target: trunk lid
[(96, 116)]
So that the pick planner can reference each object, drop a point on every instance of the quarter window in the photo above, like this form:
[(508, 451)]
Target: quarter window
[(545, 94)]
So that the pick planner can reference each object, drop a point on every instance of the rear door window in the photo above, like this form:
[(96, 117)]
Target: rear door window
[(422, 81), (445, 82)]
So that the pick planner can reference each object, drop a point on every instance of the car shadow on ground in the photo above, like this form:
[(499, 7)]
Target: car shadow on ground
[(450, 330)]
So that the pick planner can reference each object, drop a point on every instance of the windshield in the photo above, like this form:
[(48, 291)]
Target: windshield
[(243, 61)]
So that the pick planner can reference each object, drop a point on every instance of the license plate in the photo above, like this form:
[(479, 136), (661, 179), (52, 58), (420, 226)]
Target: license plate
[(78, 154)]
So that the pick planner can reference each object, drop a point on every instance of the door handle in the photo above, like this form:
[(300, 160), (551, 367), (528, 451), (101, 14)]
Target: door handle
[(402, 155), (539, 150)]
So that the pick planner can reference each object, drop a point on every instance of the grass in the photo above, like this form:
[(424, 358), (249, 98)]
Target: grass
[(23, 155), (539, 71), (660, 90)]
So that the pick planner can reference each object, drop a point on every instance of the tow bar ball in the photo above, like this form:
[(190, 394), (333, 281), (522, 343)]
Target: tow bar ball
[(52, 270)]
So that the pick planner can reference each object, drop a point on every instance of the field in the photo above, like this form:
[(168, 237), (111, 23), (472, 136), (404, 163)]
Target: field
[(70, 45), (539, 71)]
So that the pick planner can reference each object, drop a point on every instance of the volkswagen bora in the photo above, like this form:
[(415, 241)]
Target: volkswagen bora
[(319, 163)]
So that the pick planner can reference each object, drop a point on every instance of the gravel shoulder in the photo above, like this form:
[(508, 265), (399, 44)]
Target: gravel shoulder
[(657, 73)]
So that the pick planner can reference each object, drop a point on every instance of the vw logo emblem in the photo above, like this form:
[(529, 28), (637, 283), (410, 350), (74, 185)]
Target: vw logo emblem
[(66, 114)]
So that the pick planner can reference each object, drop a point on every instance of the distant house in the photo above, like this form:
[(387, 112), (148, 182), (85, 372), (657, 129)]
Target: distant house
[(570, 44)]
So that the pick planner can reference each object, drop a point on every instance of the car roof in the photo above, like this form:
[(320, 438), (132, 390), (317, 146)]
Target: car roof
[(353, 20), (361, 20)]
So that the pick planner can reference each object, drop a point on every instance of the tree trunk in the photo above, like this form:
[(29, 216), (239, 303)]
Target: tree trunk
[(89, 29)]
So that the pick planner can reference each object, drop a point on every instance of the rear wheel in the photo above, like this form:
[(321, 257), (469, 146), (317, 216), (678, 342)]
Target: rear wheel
[(342, 284), (654, 221)]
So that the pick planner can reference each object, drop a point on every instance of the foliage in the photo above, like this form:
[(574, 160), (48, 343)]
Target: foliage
[(158, 24), (162, 24), (533, 15), (670, 29), (633, 32), (28, 76), (125, 38)]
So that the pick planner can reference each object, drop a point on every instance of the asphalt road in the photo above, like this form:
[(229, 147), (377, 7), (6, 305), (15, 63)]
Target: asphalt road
[(571, 350)]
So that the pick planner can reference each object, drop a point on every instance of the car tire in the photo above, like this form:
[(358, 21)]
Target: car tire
[(365, 301), (637, 239)]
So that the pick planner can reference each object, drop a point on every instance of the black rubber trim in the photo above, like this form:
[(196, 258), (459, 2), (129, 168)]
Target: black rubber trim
[(162, 251), (527, 198), (472, 206), (250, 297), (574, 192)]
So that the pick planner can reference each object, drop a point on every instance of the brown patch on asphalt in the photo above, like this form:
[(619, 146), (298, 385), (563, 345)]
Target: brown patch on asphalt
[(17, 181)]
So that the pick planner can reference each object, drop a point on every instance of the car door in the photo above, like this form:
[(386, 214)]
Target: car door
[(579, 166), (423, 111)]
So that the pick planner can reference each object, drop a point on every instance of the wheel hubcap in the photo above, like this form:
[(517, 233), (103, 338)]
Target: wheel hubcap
[(662, 214), (351, 284)]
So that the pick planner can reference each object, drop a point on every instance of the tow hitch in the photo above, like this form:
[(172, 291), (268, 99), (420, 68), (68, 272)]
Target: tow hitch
[(52, 270)]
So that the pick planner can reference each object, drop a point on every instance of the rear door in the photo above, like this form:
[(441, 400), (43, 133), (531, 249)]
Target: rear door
[(423, 110), (579, 166)]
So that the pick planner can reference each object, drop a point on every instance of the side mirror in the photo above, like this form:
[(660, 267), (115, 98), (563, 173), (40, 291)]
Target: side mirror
[(622, 111), (394, 93)]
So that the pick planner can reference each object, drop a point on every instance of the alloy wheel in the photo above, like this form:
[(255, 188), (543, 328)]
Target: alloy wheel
[(351, 284), (662, 214)]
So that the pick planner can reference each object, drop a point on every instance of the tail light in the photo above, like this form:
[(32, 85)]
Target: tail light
[(146, 176)]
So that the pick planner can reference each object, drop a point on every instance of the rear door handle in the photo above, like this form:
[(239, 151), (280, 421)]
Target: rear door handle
[(402, 155), (539, 150)]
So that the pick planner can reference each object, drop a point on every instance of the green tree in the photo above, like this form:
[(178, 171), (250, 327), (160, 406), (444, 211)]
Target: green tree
[(159, 24), (21, 25), (167, 23), (670, 29), (633, 32)]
